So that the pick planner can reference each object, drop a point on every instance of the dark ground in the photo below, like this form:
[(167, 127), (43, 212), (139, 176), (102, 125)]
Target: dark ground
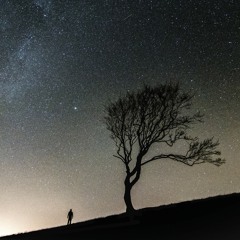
[(214, 218)]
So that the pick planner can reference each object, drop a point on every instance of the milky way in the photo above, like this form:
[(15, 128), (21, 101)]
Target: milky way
[(63, 61)]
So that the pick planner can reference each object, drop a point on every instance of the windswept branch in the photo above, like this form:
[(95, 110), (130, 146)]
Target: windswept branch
[(198, 152)]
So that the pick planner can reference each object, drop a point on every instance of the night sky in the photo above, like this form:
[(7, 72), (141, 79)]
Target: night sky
[(62, 61)]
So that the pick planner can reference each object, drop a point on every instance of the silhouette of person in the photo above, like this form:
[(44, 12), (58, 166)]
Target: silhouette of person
[(70, 217)]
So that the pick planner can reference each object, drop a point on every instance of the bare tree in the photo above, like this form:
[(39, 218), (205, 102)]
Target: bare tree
[(155, 115)]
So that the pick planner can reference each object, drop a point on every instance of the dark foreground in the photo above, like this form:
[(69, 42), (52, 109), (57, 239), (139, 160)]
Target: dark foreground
[(214, 218)]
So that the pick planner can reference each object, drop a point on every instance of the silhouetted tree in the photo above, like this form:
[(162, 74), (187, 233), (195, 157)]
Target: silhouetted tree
[(155, 115)]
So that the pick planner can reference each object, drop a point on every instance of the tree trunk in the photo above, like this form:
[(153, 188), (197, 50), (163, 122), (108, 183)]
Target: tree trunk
[(129, 184), (127, 197)]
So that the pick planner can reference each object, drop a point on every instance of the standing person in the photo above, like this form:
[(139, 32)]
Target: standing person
[(70, 217)]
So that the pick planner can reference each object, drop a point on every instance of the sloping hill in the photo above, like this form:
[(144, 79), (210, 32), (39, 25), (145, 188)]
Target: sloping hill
[(213, 218)]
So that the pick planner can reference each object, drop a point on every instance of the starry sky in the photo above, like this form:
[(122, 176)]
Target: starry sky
[(62, 61)]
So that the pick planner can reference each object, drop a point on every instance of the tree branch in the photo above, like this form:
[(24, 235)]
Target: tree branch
[(198, 152)]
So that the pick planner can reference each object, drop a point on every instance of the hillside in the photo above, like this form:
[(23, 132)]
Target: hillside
[(212, 218)]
